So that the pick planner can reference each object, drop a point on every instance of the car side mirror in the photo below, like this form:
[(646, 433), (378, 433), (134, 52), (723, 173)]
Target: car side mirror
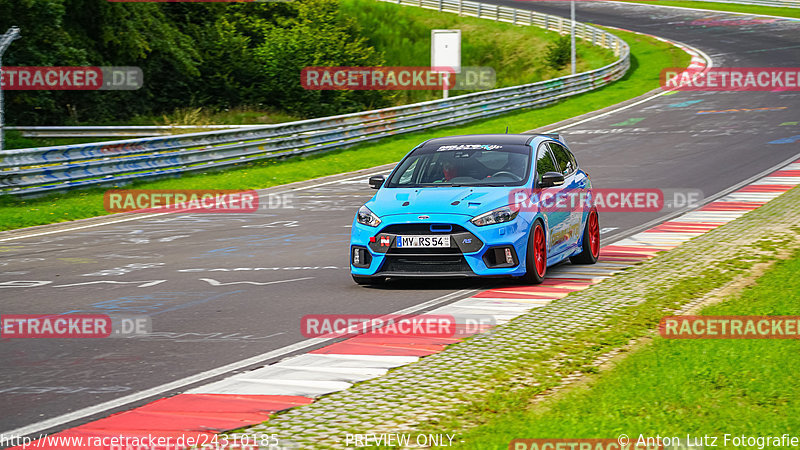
[(551, 179), (376, 181)]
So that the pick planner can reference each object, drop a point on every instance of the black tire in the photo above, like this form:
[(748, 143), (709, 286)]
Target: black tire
[(367, 281), (591, 244), (536, 268)]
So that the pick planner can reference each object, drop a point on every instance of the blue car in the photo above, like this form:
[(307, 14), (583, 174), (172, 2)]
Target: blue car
[(476, 206)]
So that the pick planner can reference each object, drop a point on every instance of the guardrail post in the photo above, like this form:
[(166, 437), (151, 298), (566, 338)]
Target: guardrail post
[(546, 22), (479, 10), (440, 5), (497, 13), (460, 6), (515, 16)]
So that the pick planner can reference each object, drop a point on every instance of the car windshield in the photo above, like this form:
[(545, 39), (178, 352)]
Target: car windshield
[(463, 165)]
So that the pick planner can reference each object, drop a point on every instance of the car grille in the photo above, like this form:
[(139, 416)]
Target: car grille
[(425, 251), (425, 264)]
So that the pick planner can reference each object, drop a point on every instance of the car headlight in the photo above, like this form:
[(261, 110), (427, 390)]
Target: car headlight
[(499, 215), (367, 217)]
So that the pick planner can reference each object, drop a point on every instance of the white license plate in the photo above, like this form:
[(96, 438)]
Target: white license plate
[(422, 241)]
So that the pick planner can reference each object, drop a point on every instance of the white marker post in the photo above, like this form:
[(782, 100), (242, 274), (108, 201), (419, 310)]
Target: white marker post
[(5, 40), (446, 52), (572, 36)]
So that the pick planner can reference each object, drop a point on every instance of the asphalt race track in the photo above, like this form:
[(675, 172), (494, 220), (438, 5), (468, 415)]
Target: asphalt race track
[(221, 288)]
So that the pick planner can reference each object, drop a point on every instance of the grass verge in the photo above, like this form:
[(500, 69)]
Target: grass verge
[(726, 7), (518, 54), (680, 388), (648, 57)]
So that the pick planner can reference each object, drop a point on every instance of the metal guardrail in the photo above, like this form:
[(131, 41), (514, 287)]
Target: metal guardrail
[(115, 131), (36, 171)]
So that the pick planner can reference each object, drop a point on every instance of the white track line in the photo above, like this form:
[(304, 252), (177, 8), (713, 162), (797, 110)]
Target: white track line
[(752, 180), (138, 217), (238, 365), (707, 10), (82, 227), (709, 65)]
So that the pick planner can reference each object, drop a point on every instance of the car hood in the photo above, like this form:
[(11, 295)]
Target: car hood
[(469, 201)]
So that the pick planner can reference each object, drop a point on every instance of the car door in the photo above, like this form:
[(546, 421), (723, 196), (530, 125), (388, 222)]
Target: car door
[(557, 220), (573, 184)]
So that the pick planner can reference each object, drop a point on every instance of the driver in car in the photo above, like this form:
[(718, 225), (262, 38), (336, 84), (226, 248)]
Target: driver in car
[(449, 170)]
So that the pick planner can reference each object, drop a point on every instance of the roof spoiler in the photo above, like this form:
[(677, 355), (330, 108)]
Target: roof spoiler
[(556, 136)]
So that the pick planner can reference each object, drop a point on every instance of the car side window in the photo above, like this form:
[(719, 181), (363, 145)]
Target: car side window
[(405, 178), (563, 159), (544, 162), (572, 159)]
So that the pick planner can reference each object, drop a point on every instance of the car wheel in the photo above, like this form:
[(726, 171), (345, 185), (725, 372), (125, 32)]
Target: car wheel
[(367, 281), (591, 241), (536, 257)]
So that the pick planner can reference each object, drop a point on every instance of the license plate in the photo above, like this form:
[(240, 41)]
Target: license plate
[(422, 241)]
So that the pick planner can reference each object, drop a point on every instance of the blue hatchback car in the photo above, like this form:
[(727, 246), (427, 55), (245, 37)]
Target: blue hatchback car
[(450, 209)]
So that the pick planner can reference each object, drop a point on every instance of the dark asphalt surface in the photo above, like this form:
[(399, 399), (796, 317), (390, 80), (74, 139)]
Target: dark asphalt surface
[(209, 310)]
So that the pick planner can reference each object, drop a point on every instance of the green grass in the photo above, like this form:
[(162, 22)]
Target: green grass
[(516, 53), (649, 56), (731, 7), (674, 387)]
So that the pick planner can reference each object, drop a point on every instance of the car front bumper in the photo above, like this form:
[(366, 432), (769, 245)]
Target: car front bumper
[(492, 250)]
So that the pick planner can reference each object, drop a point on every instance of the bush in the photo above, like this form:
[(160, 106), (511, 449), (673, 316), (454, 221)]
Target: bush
[(319, 37), (213, 56), (559, 52)]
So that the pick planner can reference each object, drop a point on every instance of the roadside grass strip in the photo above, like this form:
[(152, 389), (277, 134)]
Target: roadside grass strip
[(546, 336), (648, 57), (702, 391)]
